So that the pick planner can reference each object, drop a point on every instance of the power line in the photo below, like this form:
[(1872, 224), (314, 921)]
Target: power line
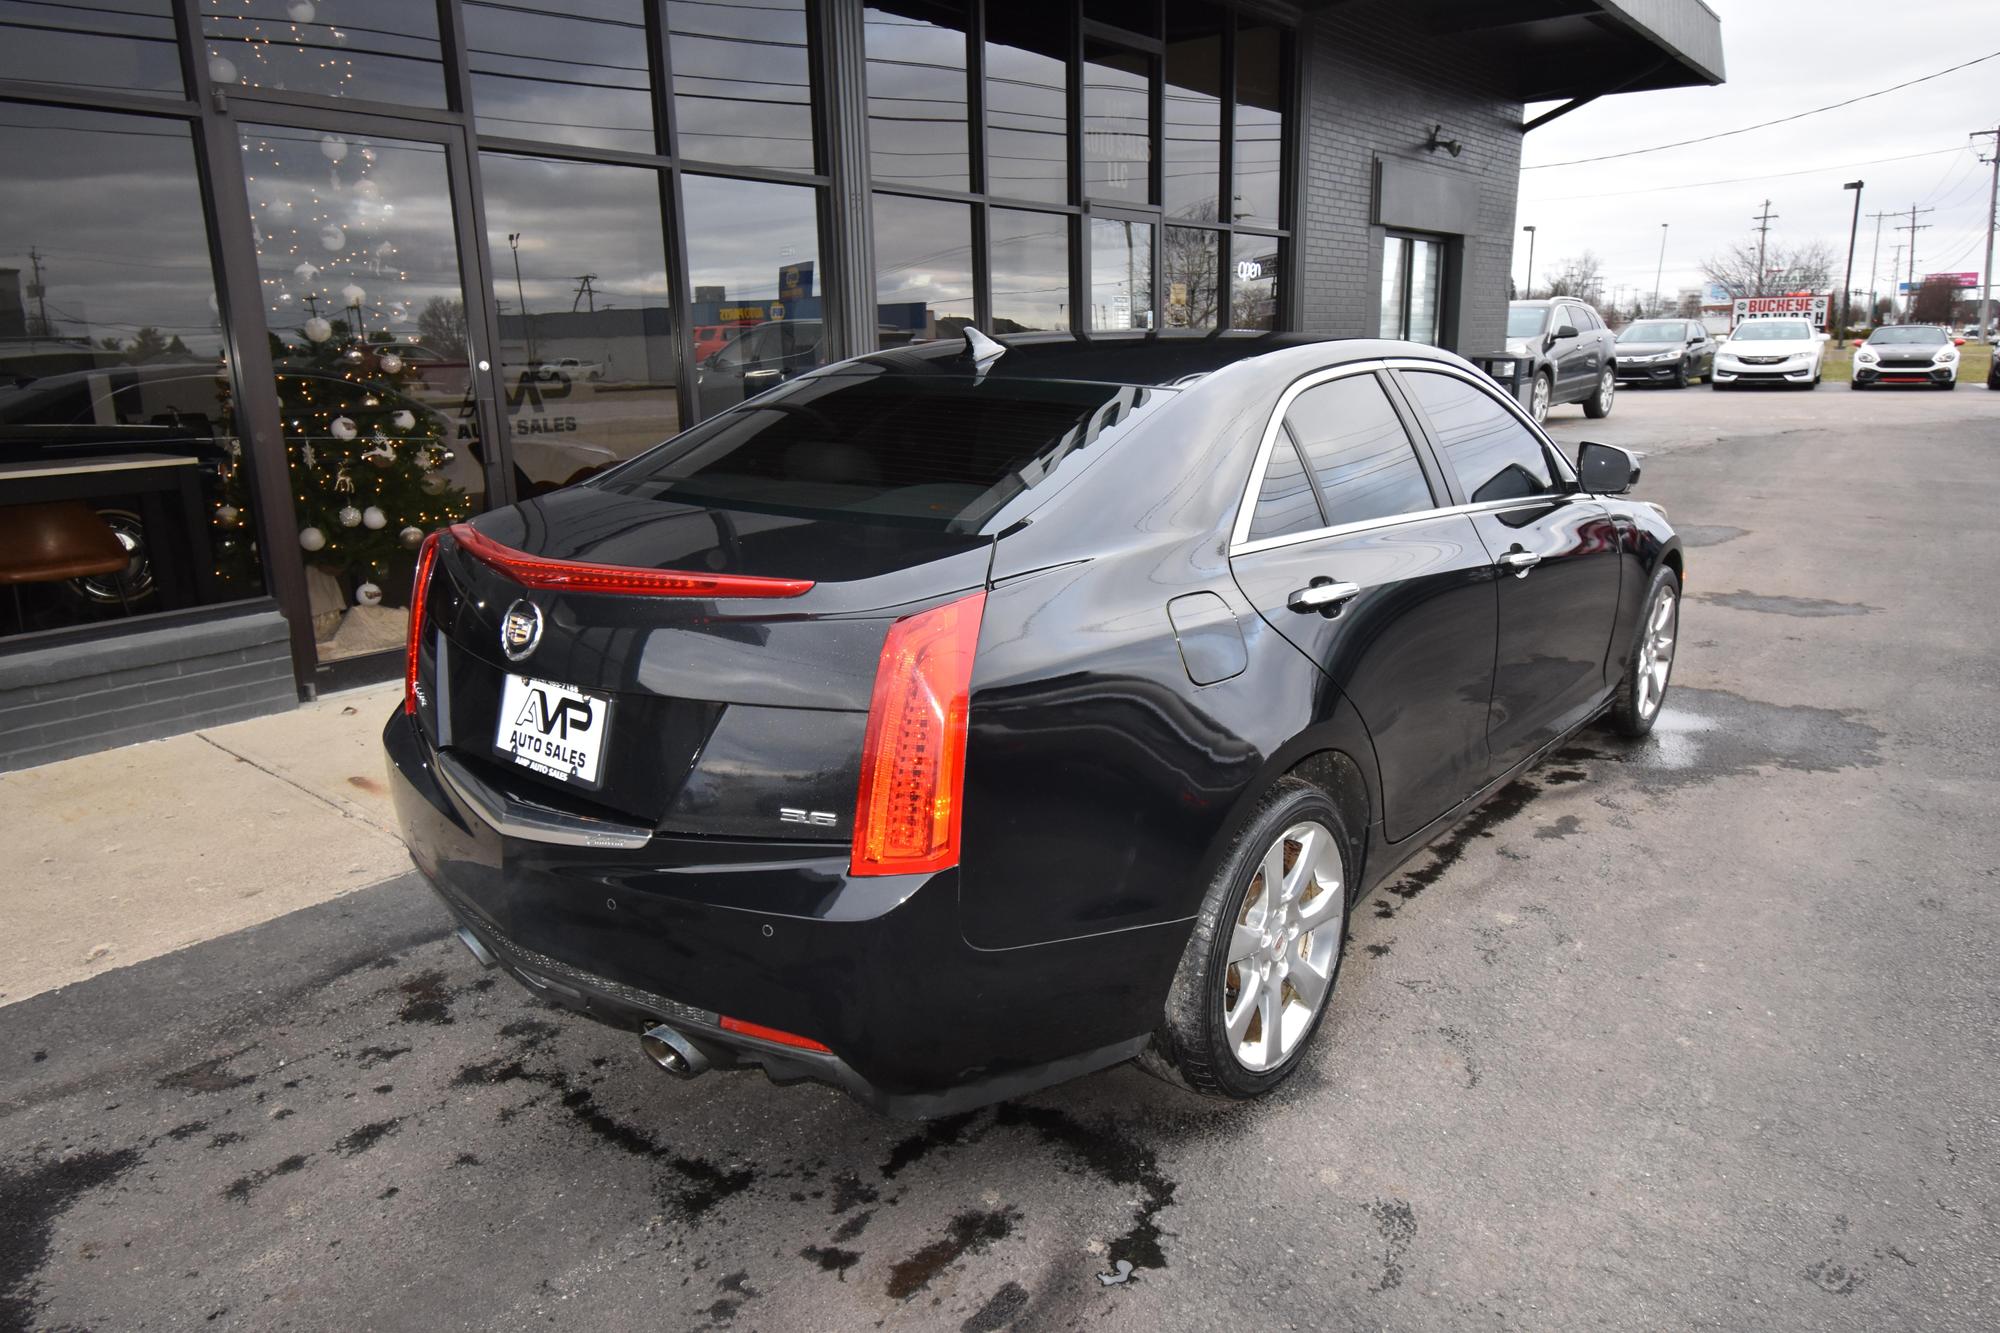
[(1761, 176), (1764, 125)]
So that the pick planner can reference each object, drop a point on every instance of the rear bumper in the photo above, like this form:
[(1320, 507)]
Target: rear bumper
[(683, 931)]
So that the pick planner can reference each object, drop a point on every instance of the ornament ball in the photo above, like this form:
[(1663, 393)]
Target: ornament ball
[(411, 538), (350, 517), (228, 514), (374, 519), (318, 330), (312, 539), (333, 146), (343, 428), (390, 363), (405, 419), (368, 594)]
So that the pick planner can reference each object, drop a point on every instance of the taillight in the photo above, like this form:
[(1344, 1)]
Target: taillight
[(534, 571), (420, 592), (913, 756), (779, 1035)]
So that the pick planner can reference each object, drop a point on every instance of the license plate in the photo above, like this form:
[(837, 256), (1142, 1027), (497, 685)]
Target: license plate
[(554, 729)]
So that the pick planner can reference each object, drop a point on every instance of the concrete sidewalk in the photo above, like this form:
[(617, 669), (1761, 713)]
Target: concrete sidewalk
[(135, 852)]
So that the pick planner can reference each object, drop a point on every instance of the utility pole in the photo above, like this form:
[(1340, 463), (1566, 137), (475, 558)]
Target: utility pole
[(527, 320), (1763, 221), (584, 289), (1659, 271), (40, 291), (1992, 222), (1875, 267), (1912, 228), (1847, 283), (1529, 295)]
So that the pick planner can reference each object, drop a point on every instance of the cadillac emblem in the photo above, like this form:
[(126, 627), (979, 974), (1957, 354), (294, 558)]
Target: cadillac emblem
[(520, 629)]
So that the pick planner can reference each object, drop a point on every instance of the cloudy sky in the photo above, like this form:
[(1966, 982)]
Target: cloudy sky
[(1783, 56)]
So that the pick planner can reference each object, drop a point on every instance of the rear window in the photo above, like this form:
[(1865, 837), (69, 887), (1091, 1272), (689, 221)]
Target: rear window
[(939, 452)]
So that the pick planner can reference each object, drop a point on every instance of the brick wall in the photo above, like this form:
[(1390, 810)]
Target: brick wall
[(1375, 82), (73, 699)]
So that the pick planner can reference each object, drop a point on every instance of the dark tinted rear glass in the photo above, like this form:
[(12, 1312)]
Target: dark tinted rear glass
[(912, 450)]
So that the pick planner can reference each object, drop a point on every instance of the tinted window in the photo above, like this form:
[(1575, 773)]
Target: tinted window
[(917, 93), (933, 451), (1525, 321), (571, 74), (1117, 125), (123, 44), (1495, 456), (1286, 503), (742, 81), (1358, 451), (1586, 318), (381, 50), (1027, 105)]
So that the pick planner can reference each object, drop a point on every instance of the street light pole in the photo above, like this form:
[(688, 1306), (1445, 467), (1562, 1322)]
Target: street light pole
[(1529, 295), (1658, 272), (527, 321), (1847, 283)]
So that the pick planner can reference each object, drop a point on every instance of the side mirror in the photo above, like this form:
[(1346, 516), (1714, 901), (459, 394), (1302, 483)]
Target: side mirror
[(1604, 469), (1566, 331)]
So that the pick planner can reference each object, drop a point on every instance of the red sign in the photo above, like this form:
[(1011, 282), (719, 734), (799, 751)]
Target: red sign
[(1955, 279), (1800, 306)]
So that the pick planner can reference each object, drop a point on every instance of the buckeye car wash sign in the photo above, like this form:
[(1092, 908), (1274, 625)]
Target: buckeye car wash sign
[(1813, 308)]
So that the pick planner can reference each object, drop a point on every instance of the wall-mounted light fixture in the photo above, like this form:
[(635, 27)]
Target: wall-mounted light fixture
[(1437, 141)]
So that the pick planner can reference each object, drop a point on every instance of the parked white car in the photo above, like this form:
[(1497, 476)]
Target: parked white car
[(1770, 351)]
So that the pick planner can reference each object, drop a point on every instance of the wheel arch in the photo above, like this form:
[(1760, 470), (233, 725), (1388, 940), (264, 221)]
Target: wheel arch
[(1340, 777)]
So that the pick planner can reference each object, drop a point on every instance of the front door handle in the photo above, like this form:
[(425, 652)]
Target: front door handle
[(1323, 594), (1519, 562)]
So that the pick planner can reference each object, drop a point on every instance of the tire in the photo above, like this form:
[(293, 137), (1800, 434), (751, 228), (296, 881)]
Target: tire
[(1635, 706), (1681, 376), (1856, 385), (1541, 398), (1949, 385), (1193, 1045), (1598, 405)]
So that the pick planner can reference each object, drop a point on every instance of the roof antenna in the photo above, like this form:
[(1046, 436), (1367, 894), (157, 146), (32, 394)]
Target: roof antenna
[(981, 348)]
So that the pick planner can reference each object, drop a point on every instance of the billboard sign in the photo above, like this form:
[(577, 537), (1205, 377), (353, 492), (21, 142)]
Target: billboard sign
[(1797, 306)]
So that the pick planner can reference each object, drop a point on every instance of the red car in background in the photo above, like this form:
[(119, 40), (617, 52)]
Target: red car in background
[(712, 338)]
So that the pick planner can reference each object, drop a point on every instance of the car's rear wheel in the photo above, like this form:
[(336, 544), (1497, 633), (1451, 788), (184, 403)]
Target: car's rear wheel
[(1254, 980), (1539, 398), (1636, 705), (1598, 405)]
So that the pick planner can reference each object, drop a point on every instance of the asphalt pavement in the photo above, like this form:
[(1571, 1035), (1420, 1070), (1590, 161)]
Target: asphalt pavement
[(1700, 1032)]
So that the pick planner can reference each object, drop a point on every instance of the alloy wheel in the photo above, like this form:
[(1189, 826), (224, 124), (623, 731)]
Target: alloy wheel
[(1538, 402), (1606, 386), (1656, 651), (1283, 947)]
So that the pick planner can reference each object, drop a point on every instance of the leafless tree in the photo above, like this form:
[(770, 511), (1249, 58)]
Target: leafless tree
[(441, 325), (1806, 266), (1934, 300), (1190, 264), (1581, 276)]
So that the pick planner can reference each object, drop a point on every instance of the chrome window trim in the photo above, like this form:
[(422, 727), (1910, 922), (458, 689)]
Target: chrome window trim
[(1240, 541)]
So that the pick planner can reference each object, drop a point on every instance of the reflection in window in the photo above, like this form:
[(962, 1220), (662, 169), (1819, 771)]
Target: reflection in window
[(923, 269), (380, 50), (1494, 455), (742, 82), (588, 360), (1412, 288), (575, 75), (1260, 124), (358, 262), (1189, 267), (1191, 165), (1030, 270), (1027, 105), (917, 93), (1253, 282), (112, 390), (1121, 275), (1395, 284), (1359, 453), (1286, 504), (1117, 125), (753, 248), (126, 45)]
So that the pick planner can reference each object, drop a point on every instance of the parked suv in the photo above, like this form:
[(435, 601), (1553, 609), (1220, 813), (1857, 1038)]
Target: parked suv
[(1664, 351), (1560, 352)]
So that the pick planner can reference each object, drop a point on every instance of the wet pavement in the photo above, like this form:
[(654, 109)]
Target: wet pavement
[(1695, 1033)]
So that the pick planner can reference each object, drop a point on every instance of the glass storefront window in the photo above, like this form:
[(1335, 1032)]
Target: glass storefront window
[(125, 46), (742, 82), (1121, 275), (576, 75), (1395, 285), (1253, 282), (917, 115), (1191, 266), (923, 269), (753, 255), (1117, 125), (1191, 165), (378, 50), (123, 488), (1260, 125), (1412, 288), (1027, 105), (588, 362), (1029, 269), (359, 265)]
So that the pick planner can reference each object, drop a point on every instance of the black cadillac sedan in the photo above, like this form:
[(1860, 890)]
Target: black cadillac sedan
[(960, 719)]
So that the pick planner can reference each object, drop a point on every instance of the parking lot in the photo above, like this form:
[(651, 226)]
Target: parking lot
[(1696, 1033)]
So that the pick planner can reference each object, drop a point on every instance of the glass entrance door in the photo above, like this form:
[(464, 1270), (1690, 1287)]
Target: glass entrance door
[(380, 385)]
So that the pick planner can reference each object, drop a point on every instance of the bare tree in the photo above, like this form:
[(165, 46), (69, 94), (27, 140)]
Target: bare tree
[(1807, 266), (441, 324), (1581, 276), (1933, 302)]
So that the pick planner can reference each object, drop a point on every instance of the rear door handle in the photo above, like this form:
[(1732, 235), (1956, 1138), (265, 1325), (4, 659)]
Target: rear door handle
[(1322, 595), (1519, 561)]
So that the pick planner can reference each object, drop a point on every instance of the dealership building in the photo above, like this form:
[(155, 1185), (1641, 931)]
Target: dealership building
[(287, 284)]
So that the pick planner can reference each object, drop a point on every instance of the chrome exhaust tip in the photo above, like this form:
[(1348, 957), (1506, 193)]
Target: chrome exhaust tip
[(672, 1052), (475, 948)]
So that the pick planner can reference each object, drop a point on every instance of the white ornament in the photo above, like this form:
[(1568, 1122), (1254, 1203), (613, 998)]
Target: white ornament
[(391, 364), (435, 483), (318, 330), (301, 11), (411, 538), (222, 69), (404, 419), (350, 517), (368, 594), (374, 519), (333, 146), (370, 190), (354, 356), (228, 514), (312, 539), (306, 272), (343, 428), (352, 294), (333, 238)]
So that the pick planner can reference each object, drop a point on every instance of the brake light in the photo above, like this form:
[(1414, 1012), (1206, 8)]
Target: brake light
[(778, 1035), (913, 755), (420, 592), (534, 571)]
